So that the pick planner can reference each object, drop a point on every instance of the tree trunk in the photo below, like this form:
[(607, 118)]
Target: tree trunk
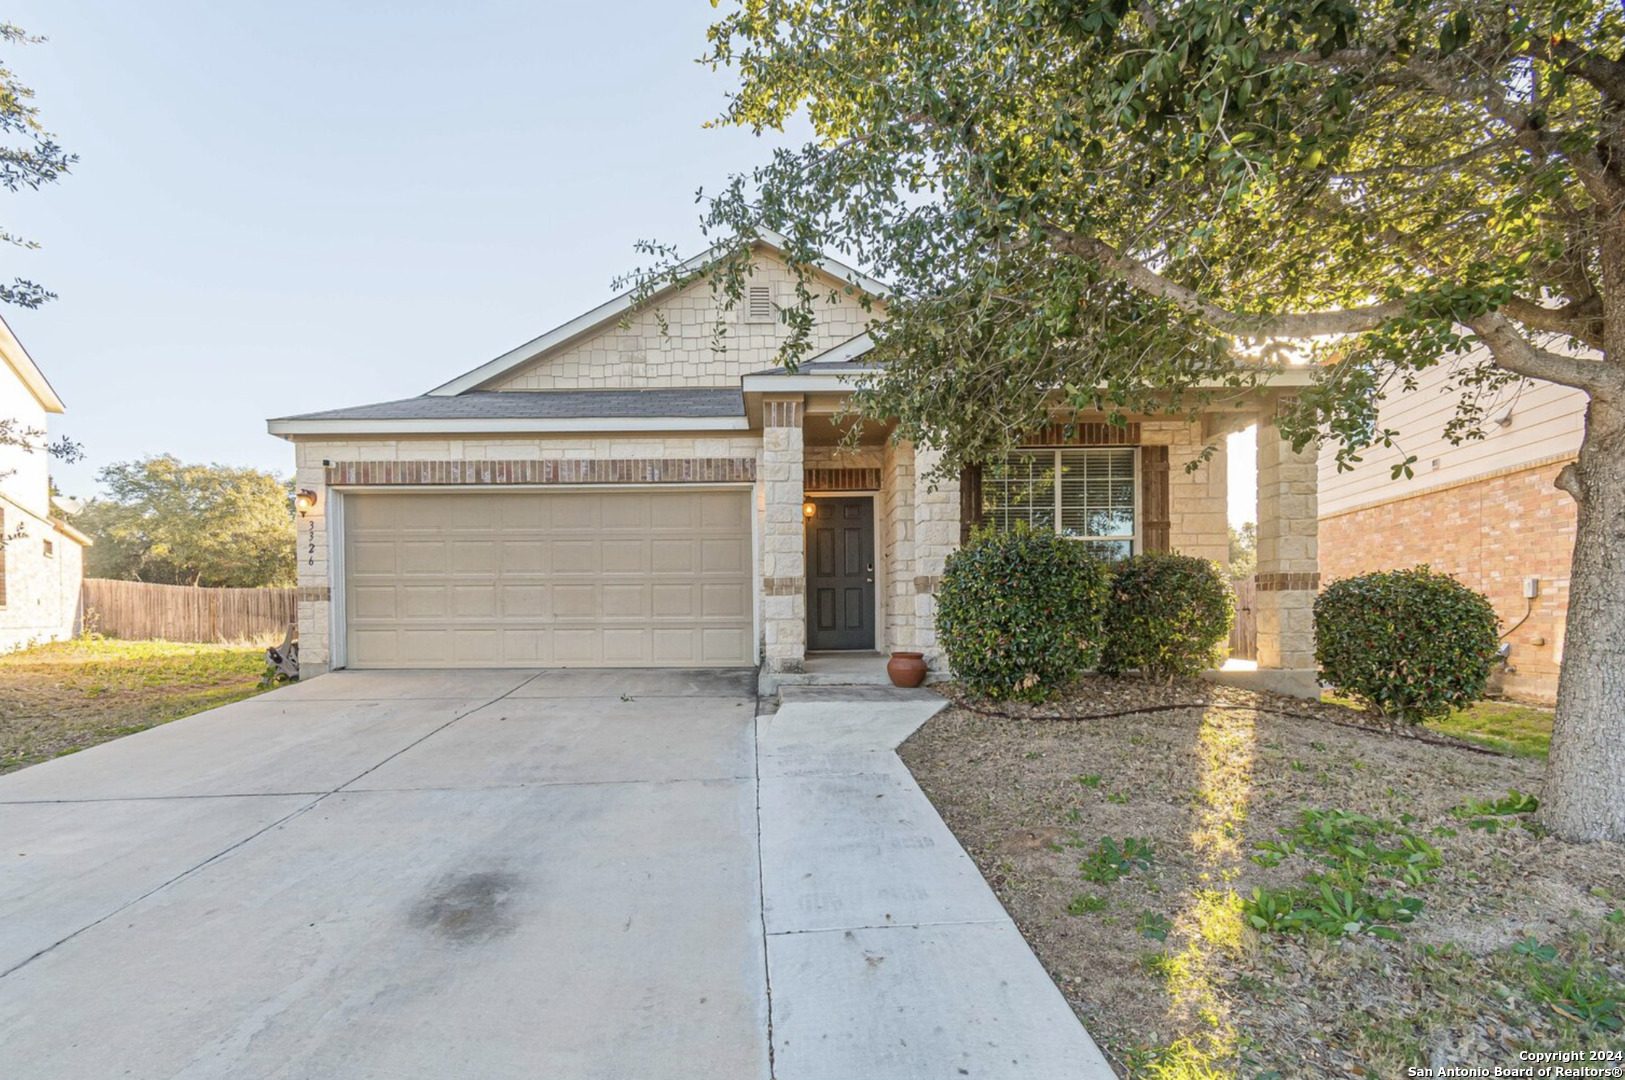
[(1585, 788)]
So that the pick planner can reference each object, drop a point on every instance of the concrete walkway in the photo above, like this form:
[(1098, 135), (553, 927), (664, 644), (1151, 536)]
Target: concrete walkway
[(509, 874)]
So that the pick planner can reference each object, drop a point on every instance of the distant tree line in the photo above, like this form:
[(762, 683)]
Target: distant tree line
[(168, 522)]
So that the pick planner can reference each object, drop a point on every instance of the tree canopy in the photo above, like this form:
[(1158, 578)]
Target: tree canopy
[(30, 157), (1104, 204), (1110, 197), (177, 524)]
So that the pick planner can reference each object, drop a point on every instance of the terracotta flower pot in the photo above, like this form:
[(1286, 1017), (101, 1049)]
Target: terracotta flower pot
[(907, 669)]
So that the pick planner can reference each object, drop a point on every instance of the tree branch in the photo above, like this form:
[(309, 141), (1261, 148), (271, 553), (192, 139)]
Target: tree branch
[(1310, 324), (1578, 318), (1517, 354)]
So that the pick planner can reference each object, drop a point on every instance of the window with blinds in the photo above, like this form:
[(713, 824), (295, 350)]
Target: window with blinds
[(1087, 494)]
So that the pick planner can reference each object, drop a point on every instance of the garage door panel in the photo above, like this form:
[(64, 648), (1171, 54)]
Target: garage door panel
[(602, 578), (625, 556), (724, 556), (575, 557)]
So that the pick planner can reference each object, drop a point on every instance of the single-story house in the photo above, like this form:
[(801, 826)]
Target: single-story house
[(41, 555), (1485, 510), (621, 492)]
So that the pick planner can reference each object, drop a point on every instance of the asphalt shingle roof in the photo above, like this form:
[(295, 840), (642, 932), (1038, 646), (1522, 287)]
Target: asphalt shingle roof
[(549, 405)]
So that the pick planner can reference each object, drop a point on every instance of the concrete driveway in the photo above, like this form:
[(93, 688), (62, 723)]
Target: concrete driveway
[(491, 874)]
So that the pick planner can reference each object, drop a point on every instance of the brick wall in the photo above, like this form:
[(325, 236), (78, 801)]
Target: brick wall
[(1491, 533)]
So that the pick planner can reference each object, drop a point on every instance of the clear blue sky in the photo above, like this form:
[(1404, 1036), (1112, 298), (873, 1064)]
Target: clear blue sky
[(283, 208)]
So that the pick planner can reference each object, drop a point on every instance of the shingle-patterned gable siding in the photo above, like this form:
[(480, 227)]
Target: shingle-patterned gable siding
[(641, 355)]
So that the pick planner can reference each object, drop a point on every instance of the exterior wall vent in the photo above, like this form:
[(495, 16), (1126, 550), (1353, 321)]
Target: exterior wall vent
[(759, 306)]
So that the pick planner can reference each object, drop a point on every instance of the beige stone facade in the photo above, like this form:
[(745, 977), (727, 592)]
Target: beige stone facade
[(786, 444)]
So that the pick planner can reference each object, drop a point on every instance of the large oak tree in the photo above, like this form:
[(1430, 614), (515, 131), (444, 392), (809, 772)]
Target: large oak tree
[(1113, 199)]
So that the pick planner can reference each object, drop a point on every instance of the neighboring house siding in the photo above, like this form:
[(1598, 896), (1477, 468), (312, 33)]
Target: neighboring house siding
[(641, 354), (1486, 511), (41, 593), (1547, 420)]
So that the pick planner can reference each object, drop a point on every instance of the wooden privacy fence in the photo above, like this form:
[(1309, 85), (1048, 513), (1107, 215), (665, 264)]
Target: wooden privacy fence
[(1244, 631), (141, 611)]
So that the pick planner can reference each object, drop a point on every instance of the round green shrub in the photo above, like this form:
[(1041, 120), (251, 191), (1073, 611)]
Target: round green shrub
[(1168, 615), (1019, 613), (1408, 644)]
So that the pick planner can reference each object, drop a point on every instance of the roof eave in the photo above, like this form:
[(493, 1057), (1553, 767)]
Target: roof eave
[(294, 426), (28, 372)]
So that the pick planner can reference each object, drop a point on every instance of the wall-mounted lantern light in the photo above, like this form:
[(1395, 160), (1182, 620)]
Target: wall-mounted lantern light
[(305, 501), (809, 509)]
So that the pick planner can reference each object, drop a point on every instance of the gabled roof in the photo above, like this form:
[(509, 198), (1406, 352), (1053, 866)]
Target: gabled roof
[(606, 313), (28, 372)]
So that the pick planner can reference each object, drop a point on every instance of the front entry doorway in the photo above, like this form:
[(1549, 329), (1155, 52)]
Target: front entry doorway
[(841, 574)]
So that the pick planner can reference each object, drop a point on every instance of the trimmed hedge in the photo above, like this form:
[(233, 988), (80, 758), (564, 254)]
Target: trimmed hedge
[(1019, 612), (1169, 615), (1409, 644)]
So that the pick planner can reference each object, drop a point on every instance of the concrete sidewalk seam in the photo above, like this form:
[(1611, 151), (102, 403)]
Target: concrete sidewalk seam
[(885, 926)]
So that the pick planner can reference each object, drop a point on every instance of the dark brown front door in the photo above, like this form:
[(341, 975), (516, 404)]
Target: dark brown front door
[(841, 574)]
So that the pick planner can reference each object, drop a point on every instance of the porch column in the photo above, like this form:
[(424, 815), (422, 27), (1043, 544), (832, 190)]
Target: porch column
[(936, 535), (1288, 563), (784, 560)]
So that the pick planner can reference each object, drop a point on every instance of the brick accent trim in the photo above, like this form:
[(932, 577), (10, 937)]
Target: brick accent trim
[(781, 413), (313, 594), (841, 480), (1291, 582), (1085, 433), (554, 471), (783, 586), (926, 584)]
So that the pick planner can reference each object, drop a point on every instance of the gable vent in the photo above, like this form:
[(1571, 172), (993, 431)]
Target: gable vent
[(759, 304)]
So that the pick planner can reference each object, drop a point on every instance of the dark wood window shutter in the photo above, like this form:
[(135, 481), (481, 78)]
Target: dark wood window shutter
[(970, 501), (1154, 514)]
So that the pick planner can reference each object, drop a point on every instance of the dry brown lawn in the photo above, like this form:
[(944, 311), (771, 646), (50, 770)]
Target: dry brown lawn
[(59, 698), (1519, 944)]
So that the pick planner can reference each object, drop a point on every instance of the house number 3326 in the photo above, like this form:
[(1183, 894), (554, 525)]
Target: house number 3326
[(312, 547)]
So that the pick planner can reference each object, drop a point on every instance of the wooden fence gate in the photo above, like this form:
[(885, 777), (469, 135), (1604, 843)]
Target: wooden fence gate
[(1244, 632), (141, 611)]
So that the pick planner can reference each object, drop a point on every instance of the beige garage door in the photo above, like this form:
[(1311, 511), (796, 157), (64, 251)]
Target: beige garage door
[(569, 579)]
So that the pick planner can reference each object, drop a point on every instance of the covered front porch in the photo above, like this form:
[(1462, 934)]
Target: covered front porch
[(855, 534)]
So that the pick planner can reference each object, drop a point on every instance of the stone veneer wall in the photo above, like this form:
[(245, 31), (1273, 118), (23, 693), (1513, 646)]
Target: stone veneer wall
[(936, 535), (1491, 533), (684, 352), (1288, 552), (784, 558), (895, 538), (1199, 500), (41, 592)]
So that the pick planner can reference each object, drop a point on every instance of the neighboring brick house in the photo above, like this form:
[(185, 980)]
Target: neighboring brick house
[(620, 492), (42, 560), (1486, 511)]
